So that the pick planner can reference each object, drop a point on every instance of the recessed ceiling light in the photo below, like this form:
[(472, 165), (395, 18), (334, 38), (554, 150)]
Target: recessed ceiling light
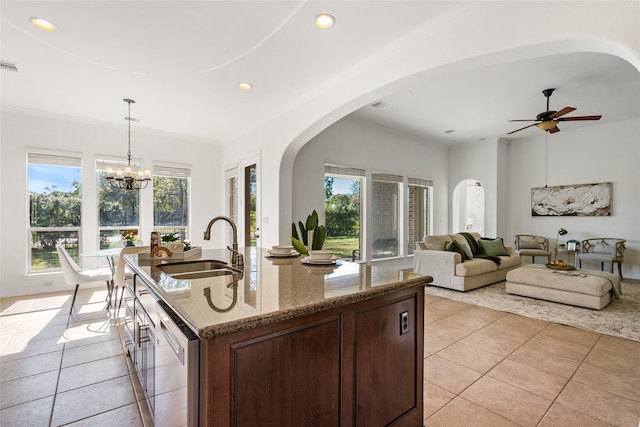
[(324, 20), (43, 24), (245, 86)]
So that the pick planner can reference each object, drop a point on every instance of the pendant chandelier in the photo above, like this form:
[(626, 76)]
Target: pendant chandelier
[(127, 179)]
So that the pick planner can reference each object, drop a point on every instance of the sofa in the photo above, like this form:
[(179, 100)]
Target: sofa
[(450, 268)]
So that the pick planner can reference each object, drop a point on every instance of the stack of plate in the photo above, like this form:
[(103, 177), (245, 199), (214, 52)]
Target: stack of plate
[(320, 258), (282, 252)]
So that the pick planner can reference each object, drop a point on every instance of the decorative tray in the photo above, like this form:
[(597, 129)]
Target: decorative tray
[(557, 267)]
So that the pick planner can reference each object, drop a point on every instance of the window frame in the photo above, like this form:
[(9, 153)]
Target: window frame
[(173, 171), (427, 212), (385, 244), (71, 160), (116, 230)]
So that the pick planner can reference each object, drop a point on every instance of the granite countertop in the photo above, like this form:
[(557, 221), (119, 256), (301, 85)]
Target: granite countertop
[(270, 290)]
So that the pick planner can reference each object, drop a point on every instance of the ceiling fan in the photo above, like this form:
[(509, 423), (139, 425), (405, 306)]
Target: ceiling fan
[(548, 120)]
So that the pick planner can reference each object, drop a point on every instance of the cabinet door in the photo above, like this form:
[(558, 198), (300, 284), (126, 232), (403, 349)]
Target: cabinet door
[(288, 378), (387, 371)]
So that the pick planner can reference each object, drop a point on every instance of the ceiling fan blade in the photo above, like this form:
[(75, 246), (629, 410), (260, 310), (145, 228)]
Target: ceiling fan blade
[(554, 130), (578, 118), (517, 130), (524, 120), (565, 110)]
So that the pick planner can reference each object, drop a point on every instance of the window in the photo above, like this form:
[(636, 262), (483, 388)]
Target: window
[(118, 210), (385, 218), (54, 208), (419, 208), (343, 210), (171, 201)]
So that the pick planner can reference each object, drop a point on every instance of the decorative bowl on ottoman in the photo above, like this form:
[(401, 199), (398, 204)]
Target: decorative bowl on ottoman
[(559, 265)]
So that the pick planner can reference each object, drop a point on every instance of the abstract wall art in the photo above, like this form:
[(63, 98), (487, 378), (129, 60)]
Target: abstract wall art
[(572, 200)]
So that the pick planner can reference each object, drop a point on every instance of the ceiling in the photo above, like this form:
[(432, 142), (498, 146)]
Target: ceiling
[(181, 62)]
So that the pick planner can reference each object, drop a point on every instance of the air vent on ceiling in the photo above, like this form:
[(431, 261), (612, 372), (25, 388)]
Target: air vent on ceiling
[(379, 104), (8, 66)]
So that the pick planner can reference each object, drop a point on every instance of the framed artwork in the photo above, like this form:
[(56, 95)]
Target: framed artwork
[(572, 200), (571, 246)]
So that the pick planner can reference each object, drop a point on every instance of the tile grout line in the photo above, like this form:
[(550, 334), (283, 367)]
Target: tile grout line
[(459, 395), (55, 392), (569, 379)]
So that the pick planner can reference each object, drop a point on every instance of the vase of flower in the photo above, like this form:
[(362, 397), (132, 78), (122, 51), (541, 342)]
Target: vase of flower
[(130, 237)]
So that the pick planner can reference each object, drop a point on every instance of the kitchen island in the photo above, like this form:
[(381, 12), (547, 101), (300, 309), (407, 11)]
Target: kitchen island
[(284, 343)]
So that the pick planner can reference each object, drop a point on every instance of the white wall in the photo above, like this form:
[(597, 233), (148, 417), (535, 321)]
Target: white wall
[(479, 161), (22, 130), (602, 153)]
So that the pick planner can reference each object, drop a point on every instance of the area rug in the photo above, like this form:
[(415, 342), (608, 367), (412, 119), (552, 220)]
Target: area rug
[(621, 318)]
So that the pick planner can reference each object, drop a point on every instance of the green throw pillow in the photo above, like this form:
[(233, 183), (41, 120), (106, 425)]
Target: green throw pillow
[(493, 247), (467, 250), (454, 246)]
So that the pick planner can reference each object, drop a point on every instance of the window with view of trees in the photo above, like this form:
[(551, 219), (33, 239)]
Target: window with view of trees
[(54, 208), (343, 210), (394, 220), (171, 201), (118, 210)]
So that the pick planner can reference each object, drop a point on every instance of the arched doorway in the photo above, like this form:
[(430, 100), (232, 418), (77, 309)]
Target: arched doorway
[(468, 207)]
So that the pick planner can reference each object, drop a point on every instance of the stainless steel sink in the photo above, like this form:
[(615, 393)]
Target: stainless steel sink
[(200, 269)]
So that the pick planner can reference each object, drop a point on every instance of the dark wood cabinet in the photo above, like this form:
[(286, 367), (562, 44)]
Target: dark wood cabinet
[(356, 365)]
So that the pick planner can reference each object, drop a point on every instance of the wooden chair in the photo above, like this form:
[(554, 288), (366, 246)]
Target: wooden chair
[(73, 274), (533, 246), (603, 250)]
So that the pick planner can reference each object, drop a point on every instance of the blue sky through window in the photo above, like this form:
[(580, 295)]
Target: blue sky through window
[(342, 185), (48, 176)]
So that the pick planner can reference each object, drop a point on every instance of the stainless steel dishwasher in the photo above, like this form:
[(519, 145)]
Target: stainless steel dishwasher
[(176, 370)]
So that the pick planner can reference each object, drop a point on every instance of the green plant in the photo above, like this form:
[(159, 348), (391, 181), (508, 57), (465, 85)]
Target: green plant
[(300, 241), (170, 237)]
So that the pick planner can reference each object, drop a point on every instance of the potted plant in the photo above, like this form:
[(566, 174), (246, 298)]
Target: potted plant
[(172, 241), (311, 236)]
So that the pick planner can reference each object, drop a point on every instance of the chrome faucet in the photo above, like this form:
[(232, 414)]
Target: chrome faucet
[(237, 259)]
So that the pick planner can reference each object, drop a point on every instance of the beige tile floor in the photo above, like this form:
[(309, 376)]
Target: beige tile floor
[(57, 369), (482, 368), (489, 368)]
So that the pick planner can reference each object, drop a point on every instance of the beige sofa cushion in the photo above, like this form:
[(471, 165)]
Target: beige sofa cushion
[(437, 242), (474, 267), (509, 261)]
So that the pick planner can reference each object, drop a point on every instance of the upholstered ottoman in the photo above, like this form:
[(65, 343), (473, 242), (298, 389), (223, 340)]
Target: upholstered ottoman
[(583, 288)]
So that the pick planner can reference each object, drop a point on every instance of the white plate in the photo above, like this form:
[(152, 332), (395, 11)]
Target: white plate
[(307, 260), (293, 253)]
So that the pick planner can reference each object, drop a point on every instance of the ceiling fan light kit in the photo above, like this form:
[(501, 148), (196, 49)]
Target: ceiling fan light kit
[(548, 120)]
